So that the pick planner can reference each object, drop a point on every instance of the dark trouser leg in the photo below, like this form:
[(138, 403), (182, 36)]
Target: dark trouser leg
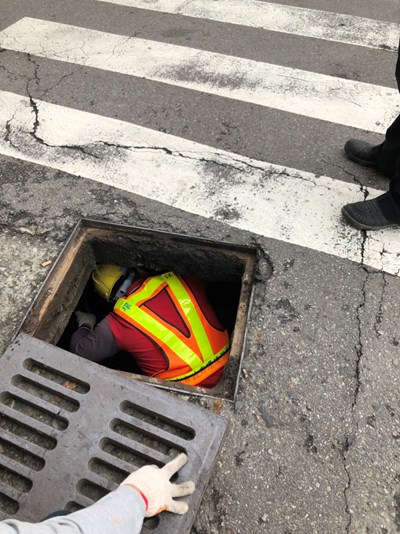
[(383, 211), (386, 154), (95, 346), (395, 183)]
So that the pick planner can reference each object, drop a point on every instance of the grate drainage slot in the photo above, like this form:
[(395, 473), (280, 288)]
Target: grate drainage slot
[(29, 409), (55, 376), (27, 433), (15, 480), (73, 506), (45, 394), (168, 425), (104, 442), (151, 523), (125, 454), (8, 505), (89, 489), (145, 438), (107, 471), (20, 455)]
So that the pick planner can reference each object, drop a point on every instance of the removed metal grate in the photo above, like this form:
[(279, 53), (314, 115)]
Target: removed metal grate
[(214, 262), (69, 434)]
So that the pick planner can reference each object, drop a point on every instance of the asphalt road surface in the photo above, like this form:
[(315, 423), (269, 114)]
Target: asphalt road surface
[(227, 120)]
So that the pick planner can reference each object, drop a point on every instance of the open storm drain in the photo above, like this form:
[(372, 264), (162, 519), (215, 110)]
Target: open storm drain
[(71, 429), (69, 434), (224, 270)]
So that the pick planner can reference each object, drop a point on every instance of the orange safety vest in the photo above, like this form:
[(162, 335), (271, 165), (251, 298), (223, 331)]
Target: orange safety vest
[(191, 358)]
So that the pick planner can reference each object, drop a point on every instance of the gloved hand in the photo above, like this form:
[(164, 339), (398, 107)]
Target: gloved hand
[(154, 485), (87, 319)]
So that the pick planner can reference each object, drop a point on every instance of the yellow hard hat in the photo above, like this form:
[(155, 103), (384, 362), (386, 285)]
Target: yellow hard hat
[(105, 278)]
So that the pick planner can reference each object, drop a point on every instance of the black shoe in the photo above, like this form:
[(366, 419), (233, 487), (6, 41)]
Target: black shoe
[(376, 214), (360, 152)]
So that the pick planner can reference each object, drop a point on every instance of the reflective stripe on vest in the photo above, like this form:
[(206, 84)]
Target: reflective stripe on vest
[(196, 351)]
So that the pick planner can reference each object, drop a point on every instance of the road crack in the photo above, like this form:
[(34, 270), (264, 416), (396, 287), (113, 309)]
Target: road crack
[(379, 315), (343, 451), (36, 124)]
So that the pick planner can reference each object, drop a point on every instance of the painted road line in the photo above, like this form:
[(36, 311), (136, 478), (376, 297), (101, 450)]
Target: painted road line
[(274, 201), (305, 22), (351, 103)]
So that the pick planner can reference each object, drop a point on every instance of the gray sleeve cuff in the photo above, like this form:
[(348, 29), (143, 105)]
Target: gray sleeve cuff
[(119, 512)]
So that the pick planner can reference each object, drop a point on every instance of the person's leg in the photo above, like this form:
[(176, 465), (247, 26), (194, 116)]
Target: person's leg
[(386, 154), (95, 346), (398, 68), (383, 156), (395, 183), (380, 212)]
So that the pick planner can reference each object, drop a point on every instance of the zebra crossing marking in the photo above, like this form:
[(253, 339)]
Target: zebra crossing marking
[(337, 100), (300, 21), (274, 201)]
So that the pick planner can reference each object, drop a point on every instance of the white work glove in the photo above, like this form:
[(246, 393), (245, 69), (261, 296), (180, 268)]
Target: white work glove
[(154, 485), (87, 319)]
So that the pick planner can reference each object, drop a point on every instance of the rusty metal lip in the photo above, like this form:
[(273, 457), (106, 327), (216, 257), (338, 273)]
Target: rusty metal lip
[(245, 334), (81, 229), (95, 223)]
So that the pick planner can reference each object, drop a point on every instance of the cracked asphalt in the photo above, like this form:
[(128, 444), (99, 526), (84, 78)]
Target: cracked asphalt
[(313, 440)]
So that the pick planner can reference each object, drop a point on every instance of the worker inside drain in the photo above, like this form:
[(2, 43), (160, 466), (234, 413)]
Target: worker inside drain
[(159, 324)]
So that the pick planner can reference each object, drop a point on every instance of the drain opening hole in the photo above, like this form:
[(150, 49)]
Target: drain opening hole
[(151, 523), (56, 376), (33, 411), (73, 506), (27, 433), (14, 479), (125, 454), (157, 420), (7, 505), (107, 470), (92, 491), (21, 455), (46, 394), (223, 298), (138, 435)]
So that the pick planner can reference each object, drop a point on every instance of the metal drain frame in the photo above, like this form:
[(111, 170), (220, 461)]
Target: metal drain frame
[(94, 241), (97, 401)]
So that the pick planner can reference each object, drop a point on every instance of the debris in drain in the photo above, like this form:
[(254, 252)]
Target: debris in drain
[(159, 324), (69, 385)]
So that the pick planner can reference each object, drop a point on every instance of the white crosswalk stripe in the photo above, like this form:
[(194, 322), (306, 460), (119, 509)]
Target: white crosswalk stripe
[(278, 202), (357, 104), (325, 25)]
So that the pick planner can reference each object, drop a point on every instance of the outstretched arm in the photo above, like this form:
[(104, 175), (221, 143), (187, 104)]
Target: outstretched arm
[(119, 512), (144, 493)]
